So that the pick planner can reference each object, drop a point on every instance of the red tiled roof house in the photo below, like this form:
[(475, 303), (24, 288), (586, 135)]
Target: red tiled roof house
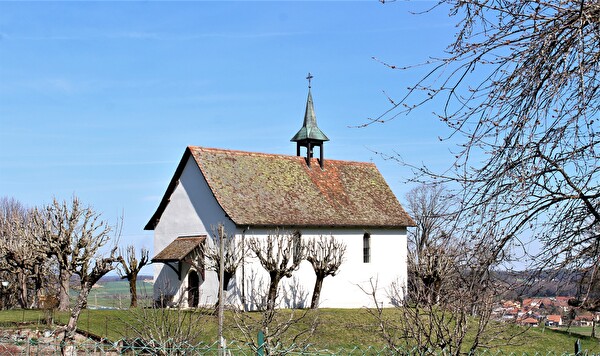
[(554, 320), (254, 194)]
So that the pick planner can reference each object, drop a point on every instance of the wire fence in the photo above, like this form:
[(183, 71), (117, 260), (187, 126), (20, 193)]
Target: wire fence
[(33, 346)]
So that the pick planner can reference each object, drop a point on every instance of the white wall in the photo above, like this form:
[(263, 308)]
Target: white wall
[(388, 265), (192, 211)]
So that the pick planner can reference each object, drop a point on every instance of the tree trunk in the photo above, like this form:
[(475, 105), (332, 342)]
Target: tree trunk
[(63, 290), (316, 293), (133, 291), (226, 278), (71, 328), (272, 296), (22, 278), (38, 280)]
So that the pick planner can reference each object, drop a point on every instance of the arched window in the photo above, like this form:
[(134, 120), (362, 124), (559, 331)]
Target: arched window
[(366, 247)]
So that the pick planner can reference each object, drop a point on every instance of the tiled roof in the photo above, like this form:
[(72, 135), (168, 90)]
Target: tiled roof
[(585, 317), (554, 318), (178, 249), (563, 301), (529, 321), (259, 189)]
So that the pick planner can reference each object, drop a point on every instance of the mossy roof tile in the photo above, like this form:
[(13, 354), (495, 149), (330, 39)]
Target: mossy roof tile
[(178, 249), (259, 189)]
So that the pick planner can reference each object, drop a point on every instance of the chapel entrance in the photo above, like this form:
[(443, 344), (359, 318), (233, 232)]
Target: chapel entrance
[(193, 289)]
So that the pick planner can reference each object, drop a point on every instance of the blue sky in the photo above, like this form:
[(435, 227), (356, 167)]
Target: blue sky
[(100, 99)]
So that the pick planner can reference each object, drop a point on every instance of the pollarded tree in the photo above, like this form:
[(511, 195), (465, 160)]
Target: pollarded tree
[(280, 254), (18, 249), (90, 266), (233, 254), (284, 332), (520, 89), (430, 207), (448, 282), (24, 257), (73, 235), (432, 250), (326, 256), (129, 268)]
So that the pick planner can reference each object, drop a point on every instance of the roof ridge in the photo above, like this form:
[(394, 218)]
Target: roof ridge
[(263, 154), (192, 237)]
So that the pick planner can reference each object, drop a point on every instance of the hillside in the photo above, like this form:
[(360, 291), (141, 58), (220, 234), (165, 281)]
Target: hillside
[(337, 329)]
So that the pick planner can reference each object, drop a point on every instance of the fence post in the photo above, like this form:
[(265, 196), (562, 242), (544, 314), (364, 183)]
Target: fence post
[(261, 344), (221, 286)]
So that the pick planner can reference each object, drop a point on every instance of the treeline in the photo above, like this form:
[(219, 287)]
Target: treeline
[(43, 248), (113, 278), (533, 283)]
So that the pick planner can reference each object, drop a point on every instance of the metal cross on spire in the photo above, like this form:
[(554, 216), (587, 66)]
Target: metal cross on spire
[(309, 77)]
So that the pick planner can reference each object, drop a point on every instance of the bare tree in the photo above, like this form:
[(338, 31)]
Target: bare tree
[(588, 294), (19, 250), (90, 267), (432, 249), (163, 330), (430, 207), (325, 255), (233, 255), (280, 254), (25, 259), (284, 331), (74, 235), (129, 269), (458, 319), (450, 290), (519, 88)]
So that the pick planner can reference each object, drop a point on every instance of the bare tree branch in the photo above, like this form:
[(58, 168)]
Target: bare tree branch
[(326, 256), (23, 256), (130, 267), (234, 255), (519, 89), (280, 254)]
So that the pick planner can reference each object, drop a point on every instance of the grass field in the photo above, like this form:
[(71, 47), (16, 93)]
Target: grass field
[(337, 329), (115, 294), (577, 330)]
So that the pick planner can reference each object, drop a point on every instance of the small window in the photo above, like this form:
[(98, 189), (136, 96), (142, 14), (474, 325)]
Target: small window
[(297, 247), (366, 248)]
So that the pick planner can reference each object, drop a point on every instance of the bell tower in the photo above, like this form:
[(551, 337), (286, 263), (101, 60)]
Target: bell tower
[(310, 136)]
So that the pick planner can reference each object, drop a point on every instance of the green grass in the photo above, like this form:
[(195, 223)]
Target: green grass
[(577, 330), (581, 330), (103, 323), (337, 328), (115, 294), (545, 339)]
